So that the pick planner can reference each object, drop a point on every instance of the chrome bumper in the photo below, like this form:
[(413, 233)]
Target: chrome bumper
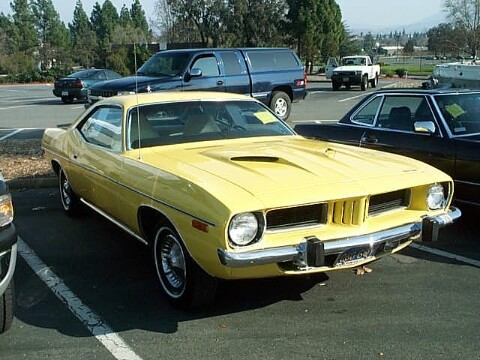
[(303, 253), (11, 268)]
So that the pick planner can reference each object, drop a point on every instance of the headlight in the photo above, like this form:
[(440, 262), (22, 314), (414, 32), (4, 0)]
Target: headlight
[(243, 229), (6, 210), (335, 73), (358, 72), (436, 197)]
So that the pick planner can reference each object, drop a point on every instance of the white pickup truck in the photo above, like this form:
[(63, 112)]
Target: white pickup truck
[(355, 70)]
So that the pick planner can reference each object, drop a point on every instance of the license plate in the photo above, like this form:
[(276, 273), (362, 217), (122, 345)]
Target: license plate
[(64, 93), (346, 79), (353, 256)]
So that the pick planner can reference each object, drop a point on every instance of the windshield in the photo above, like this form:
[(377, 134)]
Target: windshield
[(182, 122), (353, 61), (461, 112), (165, 64)]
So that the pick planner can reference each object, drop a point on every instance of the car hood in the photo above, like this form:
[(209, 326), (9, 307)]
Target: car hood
[(130, 83), (305, 169), (348, 68)]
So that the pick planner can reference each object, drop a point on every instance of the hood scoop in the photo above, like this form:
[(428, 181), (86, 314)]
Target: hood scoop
[(250, 158)]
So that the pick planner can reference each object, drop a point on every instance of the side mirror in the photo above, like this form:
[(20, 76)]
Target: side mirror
[(425, 127), (196, 72)]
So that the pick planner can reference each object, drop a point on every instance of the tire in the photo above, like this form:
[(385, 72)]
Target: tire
[(281, 104), (70, 201), (185, 284), (374, 82), (335, 86), (364, 84), (7, 307), (67, 99)]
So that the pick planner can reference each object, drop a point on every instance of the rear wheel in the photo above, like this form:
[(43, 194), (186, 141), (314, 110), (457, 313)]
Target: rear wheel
[(374, 82), (7, 307), (184, 283), (70, 201), (281, 104)]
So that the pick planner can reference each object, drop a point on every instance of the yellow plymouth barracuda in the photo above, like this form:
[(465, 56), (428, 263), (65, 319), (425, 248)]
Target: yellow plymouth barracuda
[(219, 188)]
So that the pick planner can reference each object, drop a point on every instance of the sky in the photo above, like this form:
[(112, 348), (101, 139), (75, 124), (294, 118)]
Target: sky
[(358, 14)]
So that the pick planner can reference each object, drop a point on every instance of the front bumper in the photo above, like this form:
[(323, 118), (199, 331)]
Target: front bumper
[(8, 256), (347, 79), (312, 252)]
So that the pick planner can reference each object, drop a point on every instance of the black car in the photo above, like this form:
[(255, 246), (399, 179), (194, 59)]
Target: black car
[(8, 257), (439, 127), (75, 86)]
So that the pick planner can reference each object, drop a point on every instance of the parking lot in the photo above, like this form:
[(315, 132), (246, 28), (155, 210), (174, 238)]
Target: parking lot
[(85, 289)]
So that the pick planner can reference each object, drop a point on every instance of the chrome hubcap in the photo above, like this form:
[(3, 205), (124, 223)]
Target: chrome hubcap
[(281, 107), (65, 189), (172, 262)]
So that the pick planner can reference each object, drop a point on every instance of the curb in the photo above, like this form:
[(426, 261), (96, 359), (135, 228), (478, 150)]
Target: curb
[(33, 183)]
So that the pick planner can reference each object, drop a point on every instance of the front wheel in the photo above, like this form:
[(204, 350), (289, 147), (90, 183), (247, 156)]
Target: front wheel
[(184, 283), (281, 104), (70, 201), (364, 84), (7, 307)]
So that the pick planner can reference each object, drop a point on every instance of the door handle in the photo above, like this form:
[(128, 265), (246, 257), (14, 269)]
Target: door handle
[(75, 155), (369, 139), (219, 82)]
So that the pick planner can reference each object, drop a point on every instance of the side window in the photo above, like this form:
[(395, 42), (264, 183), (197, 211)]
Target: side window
[(104, 128), (208, 65), (398, 112), (262, 60), (285, 60), (366, 115), (231, 63)]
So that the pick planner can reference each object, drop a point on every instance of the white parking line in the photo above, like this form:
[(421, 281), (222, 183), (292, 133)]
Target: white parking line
[(446, 254), (94, 323), (351, 98)]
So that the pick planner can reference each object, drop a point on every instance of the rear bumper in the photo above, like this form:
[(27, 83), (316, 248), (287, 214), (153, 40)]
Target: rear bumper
[(310, 251)]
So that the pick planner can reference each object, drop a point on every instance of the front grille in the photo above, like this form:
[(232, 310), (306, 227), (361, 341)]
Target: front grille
[(347, 73), (389, 201), (103, 93), (349, 212), (300, 216)]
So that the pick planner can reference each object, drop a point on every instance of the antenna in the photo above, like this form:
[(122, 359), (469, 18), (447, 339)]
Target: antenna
[(138, 107)]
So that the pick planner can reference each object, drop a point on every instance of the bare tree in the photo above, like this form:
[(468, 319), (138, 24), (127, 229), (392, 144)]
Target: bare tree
[(466, 14)]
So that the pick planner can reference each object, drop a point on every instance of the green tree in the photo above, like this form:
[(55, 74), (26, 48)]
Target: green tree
[(125, 19), (84, 39), (409, 47), (348, 43), (466, 14), (138, 17), (23, 34), (316, 28), (52, 33)]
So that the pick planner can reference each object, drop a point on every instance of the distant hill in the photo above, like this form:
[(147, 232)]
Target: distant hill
[(421, 26)]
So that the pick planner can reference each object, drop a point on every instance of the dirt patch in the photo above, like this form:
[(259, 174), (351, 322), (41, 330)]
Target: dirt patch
[(23, 159)]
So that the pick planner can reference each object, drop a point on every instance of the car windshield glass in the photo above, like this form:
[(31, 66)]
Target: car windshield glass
[(84, 74), (461, 112), (165, 64), (353, 61), (182, 122)]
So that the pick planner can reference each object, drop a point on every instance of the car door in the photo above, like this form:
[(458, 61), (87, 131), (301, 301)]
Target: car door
[(394, 131), (237, 79), (100, 156), (332, 63), (204, 74)]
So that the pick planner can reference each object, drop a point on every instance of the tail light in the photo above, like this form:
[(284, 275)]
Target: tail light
[(77, 84), (302, 82)]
